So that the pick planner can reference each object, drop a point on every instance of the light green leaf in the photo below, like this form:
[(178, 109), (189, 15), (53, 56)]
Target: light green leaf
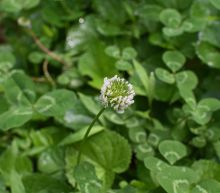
[(79, 37), (108, 29), (208, 54), (207, 169), (174, 60), (28, 4), (210, 34), (114, 117), (215, 3), (113, 51), (137, 134), (15, 117), (165, 76), (17, 5), (16, 182), (129, 53), (172, 150), (36, 57), (75, 119), (86, 178), (198, 10), (56, 103), (123, 65), (171, 32), (78, 136), (7, 61), (177, 179), (11, 6), (199, 14), (217, 148), (199, 141), (40, 183), (51, 160), (2, 186), (201, 114), (142, 75), (188, 96), (19, 89), (96, 64), (90, 104), (210, 104), (207, 186), (110, 150), (186, 80), (170, 17), (149, 12), (177, 4), (13, 165), (143, 150), (154, 164), (113, 10)]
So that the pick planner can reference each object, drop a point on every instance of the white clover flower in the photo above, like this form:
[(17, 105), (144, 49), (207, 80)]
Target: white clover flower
[(117, 93)]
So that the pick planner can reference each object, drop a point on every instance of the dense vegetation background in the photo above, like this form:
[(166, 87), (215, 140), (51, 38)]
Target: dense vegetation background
[(54, 55)]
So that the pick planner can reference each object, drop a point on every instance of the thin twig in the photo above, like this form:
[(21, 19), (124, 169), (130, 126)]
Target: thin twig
[(45, 49), (47, 74)]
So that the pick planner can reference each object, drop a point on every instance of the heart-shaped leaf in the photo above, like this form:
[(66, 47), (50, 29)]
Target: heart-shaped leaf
[(186, 80), (170, 17), (211, 104), (174, 60), (207, 186), (172, 150), (208, 54), (165, 76), (177, 179)]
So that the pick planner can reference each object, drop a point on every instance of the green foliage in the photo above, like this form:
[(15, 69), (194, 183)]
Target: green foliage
[(54, 56), (172, 151)]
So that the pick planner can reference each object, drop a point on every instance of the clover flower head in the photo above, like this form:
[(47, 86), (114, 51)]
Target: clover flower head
[(117, 93)]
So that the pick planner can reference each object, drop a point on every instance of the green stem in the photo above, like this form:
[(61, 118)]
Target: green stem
[(87, 134)]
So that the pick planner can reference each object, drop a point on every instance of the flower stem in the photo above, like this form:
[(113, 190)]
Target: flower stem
[(87, 134)]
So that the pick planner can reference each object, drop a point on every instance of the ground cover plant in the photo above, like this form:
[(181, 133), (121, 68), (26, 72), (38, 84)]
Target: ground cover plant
[(57, 56)]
